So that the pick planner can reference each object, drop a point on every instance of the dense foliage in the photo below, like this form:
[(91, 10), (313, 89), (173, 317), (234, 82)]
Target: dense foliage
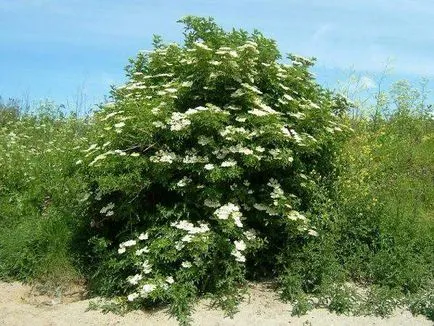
[(217, 163)]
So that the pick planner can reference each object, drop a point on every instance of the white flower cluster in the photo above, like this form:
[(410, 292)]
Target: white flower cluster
[(203, 141), (192, 158), (112, 114), (183, 182), (251, 88), (295, 216), (196, 110), (262, 110), (209, 108), (228, 163), (277, 192), (190, 228), (158, 124), (103, 156), (250, 234), (240, 149), (211, 203), (126, 244), (163, 157), (147, 288), (224, 50), (253, 46), (229, 211), (131, 243), (269, 210), (209, 166), (296, 137), (202, 46), (178, 121), (147, 267), (108, 210), (297, 115), (231, 131), (237, 251), (186, 264)]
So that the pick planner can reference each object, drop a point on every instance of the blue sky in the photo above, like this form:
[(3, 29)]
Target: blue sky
[(58, 49)]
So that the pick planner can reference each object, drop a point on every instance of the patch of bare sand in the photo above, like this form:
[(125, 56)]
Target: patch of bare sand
[(19, 305)]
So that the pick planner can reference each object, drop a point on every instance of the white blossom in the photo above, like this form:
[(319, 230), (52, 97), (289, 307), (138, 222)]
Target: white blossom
[(202, 140), (119, 125), (294, 215), (178, 121), (251, 88), (209, 166), (170, 280), (237, 220), (250, 234), (190, 228), (105, 209), (187, 238), (258, 113), (147, 288), (260, 207), (239, 257), (98, 158), (183, 182), (163, 157), (144, 250), (147, 267), (128, 243), (133, 296), (203, 46), (158, 124), (179, 245), (143, 236), (240, 245), (228, 163), (313, 233), (135, 279), (225, 211), (211, 203)]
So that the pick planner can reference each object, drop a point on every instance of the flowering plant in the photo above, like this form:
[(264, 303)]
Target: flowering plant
[(204, 165)]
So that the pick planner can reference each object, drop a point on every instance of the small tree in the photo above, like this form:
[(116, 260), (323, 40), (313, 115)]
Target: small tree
[(205, 165)]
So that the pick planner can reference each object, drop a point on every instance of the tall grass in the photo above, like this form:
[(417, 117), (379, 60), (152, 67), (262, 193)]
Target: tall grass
[(39, 194)]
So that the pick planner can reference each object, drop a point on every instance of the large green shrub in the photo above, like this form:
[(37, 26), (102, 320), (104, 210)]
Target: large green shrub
[(205, 165)]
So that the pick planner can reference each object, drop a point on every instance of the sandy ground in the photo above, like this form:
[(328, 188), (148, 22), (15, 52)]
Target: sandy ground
[(19, 305)]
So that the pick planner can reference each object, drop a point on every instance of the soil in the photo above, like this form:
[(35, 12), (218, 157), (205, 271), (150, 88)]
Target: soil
[(22, 305)]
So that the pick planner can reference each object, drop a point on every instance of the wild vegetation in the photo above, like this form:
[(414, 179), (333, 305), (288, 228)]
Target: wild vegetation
[(216, 164)]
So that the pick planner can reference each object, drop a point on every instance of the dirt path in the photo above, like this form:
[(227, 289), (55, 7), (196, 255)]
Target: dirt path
[(18, 306)]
